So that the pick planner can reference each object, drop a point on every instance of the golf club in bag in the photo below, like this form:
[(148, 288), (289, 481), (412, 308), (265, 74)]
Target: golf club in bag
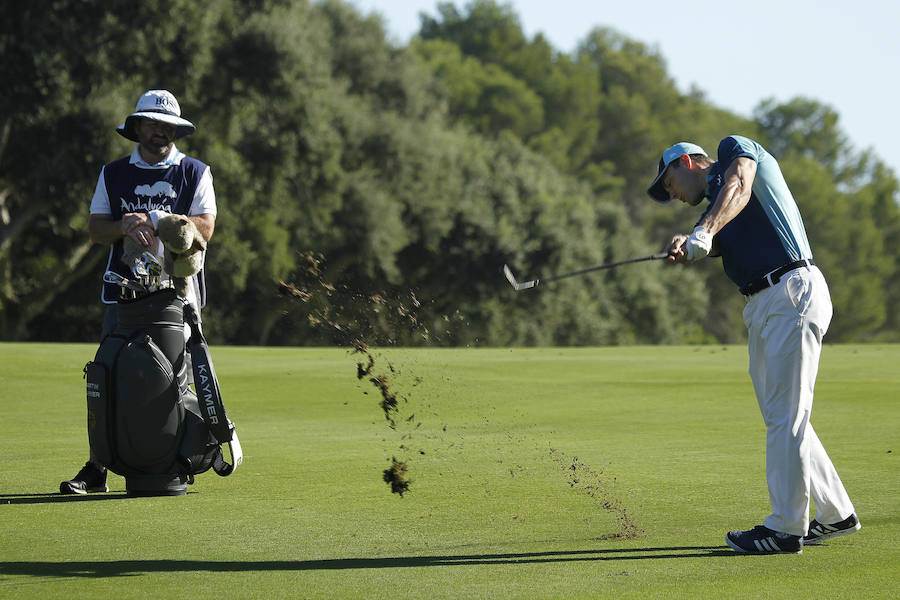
[(144, 421), (535, 282)]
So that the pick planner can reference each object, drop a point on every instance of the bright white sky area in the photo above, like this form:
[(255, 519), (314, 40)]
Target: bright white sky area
[(843, 54)]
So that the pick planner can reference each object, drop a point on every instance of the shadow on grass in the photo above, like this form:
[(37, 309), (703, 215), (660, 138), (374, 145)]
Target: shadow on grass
[(124, 568), (57, 497)]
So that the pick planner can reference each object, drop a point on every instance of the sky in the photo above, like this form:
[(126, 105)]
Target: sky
[(843, 54)]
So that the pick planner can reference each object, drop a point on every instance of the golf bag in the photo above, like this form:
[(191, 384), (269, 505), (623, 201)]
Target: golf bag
[(144, 421)]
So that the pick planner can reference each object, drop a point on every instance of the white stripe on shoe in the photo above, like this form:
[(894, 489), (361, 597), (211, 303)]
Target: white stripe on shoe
[(823, 528), (822, 532), (761, 540)]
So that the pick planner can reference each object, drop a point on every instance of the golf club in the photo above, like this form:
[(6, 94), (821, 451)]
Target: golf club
[(535, 282), (146, 269), (116, 279)]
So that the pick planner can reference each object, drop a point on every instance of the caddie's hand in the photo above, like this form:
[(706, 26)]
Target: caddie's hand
[(698, 244), (139, 228), (131, 221), (143, 235)]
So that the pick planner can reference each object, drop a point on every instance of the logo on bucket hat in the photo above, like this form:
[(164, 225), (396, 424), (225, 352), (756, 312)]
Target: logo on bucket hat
[(156, 105), (158, 100)]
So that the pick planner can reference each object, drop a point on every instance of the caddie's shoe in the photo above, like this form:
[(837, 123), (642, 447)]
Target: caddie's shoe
[(90, 479), (819, 531), (762, 540)]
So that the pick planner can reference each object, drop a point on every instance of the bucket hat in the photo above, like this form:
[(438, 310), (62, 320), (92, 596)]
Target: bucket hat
[(156, 105)]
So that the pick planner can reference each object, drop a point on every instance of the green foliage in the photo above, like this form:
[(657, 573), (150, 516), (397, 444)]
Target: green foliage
[(414, 172), (487, 97), (850, 212), (809, 128)]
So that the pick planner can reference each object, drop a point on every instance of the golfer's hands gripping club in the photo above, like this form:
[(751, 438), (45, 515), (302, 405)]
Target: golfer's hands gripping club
[(689, 248)]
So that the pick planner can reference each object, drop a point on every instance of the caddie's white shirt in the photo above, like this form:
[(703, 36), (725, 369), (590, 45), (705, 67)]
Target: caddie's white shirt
[(203, 202)]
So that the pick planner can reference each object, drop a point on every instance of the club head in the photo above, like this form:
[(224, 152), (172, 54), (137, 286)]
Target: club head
[(113, 277), (146, 268), (512, 280), (116, 279), (151, 263)]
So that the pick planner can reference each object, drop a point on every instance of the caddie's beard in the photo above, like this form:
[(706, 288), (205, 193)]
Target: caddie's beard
[(159, 145)]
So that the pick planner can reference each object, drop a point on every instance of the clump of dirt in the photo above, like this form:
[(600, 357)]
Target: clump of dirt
[(388, 399), (289, 289), (396, 477), (592, 484), (360, 347), (352, 318), (342, 312), (334, 306)]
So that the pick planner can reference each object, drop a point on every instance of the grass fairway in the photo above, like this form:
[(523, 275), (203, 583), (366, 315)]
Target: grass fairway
[(535, 473)]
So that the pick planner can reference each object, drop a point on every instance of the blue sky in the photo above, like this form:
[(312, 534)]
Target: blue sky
[(844, 54)]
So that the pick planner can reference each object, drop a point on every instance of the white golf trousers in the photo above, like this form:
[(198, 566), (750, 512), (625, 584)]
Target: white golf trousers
[(785, 325)]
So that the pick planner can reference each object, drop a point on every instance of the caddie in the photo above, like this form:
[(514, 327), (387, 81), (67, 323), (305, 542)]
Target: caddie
[(131, 195), (753, 223)]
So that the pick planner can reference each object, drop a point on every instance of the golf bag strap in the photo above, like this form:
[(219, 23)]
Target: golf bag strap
[(223, 468), (205, 381)]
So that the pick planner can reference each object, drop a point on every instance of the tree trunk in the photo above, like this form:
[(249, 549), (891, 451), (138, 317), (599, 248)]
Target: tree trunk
[(79, 262)]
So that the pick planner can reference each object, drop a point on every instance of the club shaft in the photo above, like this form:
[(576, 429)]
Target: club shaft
[(601, 267)]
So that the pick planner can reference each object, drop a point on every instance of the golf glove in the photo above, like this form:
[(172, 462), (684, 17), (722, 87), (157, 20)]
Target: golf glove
[(698, 244)]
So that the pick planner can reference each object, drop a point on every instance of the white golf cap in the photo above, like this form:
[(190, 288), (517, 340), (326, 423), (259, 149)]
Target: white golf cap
[(671, 154), (157, 105)]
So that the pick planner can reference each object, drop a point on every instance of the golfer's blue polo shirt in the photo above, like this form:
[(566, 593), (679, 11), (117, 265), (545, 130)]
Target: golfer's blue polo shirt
[(769, 232)]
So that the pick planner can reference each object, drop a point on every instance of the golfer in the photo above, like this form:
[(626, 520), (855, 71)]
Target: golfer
[(753, 223), (132, 193)]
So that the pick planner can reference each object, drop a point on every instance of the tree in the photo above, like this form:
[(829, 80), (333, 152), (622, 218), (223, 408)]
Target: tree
[(63, 93), (845, 206), (394, 181), (486, 97)]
